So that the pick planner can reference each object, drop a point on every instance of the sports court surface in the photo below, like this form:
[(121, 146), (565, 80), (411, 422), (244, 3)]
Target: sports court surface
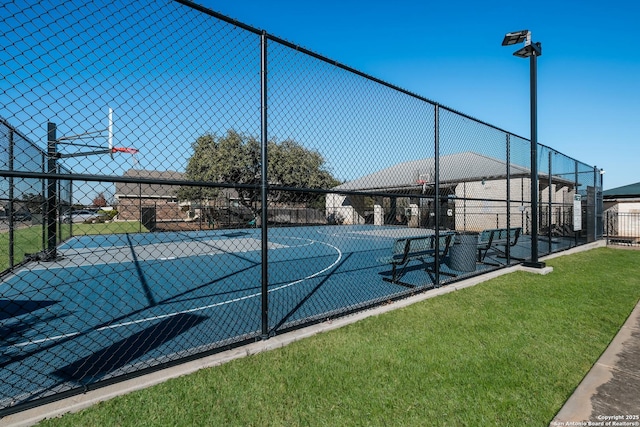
[(112, 304), (115, 304)]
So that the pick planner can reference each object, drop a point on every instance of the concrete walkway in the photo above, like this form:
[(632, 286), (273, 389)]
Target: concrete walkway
[(610, 393)]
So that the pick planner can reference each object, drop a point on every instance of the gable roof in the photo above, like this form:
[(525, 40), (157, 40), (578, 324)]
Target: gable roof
[(160, 189), (454, 169), (631, 190)]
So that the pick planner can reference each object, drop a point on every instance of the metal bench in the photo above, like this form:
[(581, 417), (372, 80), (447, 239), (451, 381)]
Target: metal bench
[(421, 249), (495, 239)]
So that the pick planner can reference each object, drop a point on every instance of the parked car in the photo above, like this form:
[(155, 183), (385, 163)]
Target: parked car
[(80, 216), (22, 216)]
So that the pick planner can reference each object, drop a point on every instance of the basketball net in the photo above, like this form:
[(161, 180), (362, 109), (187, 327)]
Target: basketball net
[(133, 151)]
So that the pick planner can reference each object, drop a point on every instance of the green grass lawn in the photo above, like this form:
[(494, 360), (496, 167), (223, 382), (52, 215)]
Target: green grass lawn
[(507, 352), (26, 241), (29, 240), (105, 228)]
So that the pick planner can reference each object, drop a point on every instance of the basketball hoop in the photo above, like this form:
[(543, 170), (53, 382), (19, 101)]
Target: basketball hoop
[(424, 185), (127, 150), (124, 150), (67, 140)]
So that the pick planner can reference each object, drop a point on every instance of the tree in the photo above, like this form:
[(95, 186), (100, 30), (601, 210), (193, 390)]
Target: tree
[(100, 201), (34, 202), (235, 159)]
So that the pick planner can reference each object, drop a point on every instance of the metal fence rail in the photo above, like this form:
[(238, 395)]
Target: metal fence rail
[(622, 228), (173, 183)]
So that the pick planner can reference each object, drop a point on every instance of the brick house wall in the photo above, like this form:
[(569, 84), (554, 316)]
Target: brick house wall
[(132, 197)]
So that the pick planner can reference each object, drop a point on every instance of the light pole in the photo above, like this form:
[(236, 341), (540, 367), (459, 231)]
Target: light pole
[(532, 51)]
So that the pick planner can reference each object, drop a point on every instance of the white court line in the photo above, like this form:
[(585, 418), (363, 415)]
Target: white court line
[(384, 234), (345, 234), (193, 310), (149, 252)]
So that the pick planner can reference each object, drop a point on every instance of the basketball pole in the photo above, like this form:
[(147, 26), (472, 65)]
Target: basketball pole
[(50, 253), (110, 131)]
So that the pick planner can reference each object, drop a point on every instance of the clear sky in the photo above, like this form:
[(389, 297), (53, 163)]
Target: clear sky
[(450, 52)]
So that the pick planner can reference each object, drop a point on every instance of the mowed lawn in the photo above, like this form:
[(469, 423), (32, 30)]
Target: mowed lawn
[(30, 240), (507, 352)]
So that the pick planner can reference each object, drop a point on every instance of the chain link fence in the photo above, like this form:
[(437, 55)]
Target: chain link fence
[(175, 183), (622, 228)]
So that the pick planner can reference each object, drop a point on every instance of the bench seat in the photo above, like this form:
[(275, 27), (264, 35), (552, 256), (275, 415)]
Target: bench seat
[(423, 249), (497, 239)]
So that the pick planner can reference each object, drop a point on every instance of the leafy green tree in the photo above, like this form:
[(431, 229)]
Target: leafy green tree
[(235, 159), (100, 201), (33, 202)]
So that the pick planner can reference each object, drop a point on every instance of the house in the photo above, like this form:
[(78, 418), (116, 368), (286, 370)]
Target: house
[(622, 199), (157, 202), (473, 192), (135, 201), (622, 212)]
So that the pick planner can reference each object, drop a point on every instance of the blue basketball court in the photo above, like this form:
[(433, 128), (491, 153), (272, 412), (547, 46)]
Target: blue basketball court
[(116, 303)]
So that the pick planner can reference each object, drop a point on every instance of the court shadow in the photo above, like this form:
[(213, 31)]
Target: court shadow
[(307, 297), (419, 274), (93, 368), (13, 308)]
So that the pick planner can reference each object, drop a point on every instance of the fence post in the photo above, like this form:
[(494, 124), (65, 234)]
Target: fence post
[(595, 203), (508, 247), (51, 191), (550, 208), (436, 202), (139, 207), (264, 185), (11, 207)]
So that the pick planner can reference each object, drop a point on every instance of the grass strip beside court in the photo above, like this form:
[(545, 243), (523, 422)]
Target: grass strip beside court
[(29, 240), (509, 351), (104, 228)]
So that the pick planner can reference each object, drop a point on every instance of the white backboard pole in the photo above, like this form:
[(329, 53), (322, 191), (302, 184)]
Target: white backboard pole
[(110, 130)]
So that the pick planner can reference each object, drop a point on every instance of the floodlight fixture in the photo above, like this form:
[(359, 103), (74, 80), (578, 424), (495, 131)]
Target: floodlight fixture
[(533, 49), (517, 37)]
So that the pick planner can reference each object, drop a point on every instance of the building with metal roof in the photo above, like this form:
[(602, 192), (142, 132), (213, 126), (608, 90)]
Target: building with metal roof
[(473, 189), (622, 213), (625, 192)]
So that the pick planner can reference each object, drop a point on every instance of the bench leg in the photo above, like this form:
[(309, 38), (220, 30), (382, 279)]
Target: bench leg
[(398, 282), (431, 272), (429, 268), (503, 254), (395, 276)]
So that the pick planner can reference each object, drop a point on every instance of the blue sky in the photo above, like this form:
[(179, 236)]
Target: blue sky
[(451, 53)]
